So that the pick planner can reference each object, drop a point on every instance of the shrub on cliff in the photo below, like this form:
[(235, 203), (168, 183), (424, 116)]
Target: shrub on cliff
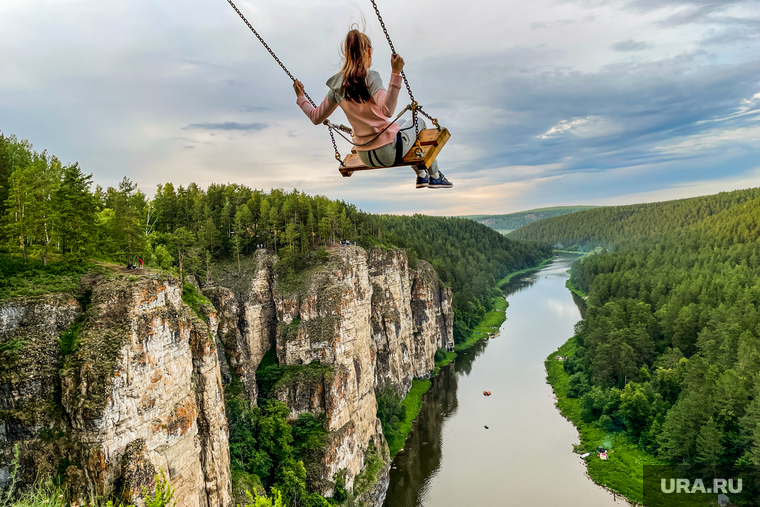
[(390, 411), (263, 444)]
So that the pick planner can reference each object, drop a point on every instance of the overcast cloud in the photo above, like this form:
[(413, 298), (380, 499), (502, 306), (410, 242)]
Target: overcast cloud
[(549, 101)]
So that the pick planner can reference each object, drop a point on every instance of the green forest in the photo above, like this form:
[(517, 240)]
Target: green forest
[(511, 221), (669, 350), (52, 214), (611, 225)]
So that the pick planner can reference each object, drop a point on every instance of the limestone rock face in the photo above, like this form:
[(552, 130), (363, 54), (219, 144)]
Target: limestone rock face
[(431, 306), (393, 330), (366, 318), (140, 389), (411, 318), (333, 311), (247, 323), (147, 370)]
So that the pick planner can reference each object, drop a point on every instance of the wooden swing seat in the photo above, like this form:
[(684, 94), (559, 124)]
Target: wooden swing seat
[(431, 140)]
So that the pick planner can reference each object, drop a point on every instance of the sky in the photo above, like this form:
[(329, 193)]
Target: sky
[(549, 102)]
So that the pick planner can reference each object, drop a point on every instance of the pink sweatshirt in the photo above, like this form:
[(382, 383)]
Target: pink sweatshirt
[(366, 119)]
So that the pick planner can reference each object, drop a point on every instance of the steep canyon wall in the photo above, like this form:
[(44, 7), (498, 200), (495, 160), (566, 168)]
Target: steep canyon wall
[(106, 386), (365, 317)]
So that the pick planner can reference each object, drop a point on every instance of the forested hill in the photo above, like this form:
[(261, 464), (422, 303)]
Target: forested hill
[(52, 220), (669, 351), (611, 225), (466, 255), (509, 222)]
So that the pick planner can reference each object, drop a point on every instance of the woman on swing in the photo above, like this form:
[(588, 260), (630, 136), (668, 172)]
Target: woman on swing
[(368, 106)]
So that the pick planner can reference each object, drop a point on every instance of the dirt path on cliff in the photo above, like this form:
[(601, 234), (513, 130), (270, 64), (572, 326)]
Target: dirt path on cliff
[(117, 268)]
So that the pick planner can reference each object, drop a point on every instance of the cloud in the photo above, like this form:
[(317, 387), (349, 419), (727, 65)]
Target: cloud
[(608, 118), (584, 128), (227, 125), (563, 126), (707, 5), (727, 36), (630, 45), (538, 116)]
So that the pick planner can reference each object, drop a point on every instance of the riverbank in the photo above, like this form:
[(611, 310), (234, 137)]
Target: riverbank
[(623, 472), (489, 324), (450, 356), (575, 290), (412, 402), (492, 321), (501, 283)]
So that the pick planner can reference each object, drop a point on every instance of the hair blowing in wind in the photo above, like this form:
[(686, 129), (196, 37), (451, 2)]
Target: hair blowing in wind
[(356, 62)]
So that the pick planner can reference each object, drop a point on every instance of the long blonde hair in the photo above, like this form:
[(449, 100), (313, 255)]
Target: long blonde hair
[(356, 61)]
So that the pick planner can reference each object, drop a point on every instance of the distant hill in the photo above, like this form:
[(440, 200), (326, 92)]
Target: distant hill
[(508, 223), (613, 224)]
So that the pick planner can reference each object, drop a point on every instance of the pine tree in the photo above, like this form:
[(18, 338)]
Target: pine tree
[(127, 229), (75, 210), (30, 192), (709, 449)]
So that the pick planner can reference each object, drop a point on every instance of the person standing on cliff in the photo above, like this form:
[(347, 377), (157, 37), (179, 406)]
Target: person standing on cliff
[(141, 263), (359, 92)]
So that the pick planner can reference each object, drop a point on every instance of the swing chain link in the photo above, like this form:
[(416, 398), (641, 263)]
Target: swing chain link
[(335, 145), (393, 49), (433, 120), (414, 106)]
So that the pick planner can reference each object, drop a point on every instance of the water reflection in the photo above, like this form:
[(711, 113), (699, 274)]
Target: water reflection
[(562, 308), (421, 456), (525, 457)]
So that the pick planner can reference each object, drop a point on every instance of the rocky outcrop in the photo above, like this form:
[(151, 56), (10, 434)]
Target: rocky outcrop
[(431, 307), (411, 318), (140, 390), (109, 387), (333, 309), (361, 321), (247, 322)]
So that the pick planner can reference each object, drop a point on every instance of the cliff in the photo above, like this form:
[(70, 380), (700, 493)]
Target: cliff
[(366, 318), (134, 386), (104, 387)]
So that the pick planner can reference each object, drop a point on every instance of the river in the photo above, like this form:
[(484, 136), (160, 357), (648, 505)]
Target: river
[(525, 457)]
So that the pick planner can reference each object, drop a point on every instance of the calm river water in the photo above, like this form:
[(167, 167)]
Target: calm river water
[(526, 457)]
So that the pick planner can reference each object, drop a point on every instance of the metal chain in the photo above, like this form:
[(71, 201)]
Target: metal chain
[(414, 106), (433, 120), (393, 49), (292, 78)]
